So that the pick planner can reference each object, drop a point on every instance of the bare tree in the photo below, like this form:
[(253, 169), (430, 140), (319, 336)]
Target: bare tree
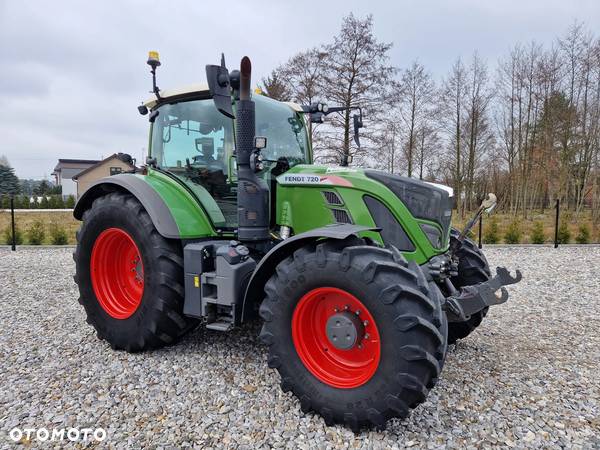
[(415, 94), (357, 74), (388, 143), (479, 137), (426, 150), (452, 112)]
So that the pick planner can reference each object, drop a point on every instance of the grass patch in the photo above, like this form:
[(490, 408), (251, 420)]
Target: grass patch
[(51, 221), (537, 228)]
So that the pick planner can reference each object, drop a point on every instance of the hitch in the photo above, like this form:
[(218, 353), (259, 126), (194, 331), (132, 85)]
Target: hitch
[(472, 299)]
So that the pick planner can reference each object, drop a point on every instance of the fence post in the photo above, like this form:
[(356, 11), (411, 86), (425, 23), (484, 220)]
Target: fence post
[(556, 223), (12, 221), (480, 228)]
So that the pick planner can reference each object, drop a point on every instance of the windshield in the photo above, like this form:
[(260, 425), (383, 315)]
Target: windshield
[(195, 142)]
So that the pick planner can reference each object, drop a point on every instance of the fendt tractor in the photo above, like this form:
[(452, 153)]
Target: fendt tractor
[(356, 274)]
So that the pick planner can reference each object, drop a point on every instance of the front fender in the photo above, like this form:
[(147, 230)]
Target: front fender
[(266, 266), (173, 210)]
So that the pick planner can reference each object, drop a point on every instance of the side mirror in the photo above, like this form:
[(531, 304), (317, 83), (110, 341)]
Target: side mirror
[(219, 87)]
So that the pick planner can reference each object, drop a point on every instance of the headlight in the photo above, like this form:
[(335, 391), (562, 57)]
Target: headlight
[(433, 234)]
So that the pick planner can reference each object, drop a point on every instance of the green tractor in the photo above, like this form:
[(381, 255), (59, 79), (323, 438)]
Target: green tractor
[(357, 276)]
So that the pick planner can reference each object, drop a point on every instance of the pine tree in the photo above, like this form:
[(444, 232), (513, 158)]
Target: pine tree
[(9, 183), (43, 188)]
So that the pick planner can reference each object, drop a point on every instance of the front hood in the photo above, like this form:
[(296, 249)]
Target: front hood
[(304, 174)]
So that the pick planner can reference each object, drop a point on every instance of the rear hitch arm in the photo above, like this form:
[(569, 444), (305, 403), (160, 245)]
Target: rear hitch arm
[(471, 299)]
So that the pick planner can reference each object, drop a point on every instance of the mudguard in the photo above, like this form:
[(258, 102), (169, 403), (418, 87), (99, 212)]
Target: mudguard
[(266, 266), (160, 199)]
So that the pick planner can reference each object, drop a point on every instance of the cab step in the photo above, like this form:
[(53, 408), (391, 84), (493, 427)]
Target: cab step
[(221, 325)]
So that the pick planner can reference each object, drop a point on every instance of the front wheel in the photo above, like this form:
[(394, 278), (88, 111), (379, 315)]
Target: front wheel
[(130, 278), (473, 269), (356, 332)]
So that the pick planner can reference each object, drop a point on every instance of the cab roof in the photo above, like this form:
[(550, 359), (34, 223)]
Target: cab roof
[(199, 89)]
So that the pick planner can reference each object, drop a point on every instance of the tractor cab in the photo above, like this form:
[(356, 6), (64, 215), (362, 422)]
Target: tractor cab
[(193, 141)]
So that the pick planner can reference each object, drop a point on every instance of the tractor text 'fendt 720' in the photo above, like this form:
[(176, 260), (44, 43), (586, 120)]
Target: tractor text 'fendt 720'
[(356, 274)]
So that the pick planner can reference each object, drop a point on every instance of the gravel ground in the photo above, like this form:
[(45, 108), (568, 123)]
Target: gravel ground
[(527, 378)]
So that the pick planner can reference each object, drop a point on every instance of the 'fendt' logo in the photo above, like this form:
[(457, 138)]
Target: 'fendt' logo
[(303, 178)]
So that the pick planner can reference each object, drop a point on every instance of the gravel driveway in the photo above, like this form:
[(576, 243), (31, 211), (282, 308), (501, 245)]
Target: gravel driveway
[(528, 378)]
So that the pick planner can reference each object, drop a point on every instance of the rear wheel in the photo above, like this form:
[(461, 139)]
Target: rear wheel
[(473, 268), (130, 278), (356, 332)]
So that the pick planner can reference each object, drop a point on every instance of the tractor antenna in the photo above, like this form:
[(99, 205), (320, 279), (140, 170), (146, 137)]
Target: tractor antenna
[(154, 62)]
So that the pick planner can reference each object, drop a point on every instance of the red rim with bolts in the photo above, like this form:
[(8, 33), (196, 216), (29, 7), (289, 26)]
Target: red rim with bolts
[(336, 337), (117, 273)]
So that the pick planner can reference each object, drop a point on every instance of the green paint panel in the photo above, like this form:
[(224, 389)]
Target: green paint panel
[(191, 219), (303, 207)]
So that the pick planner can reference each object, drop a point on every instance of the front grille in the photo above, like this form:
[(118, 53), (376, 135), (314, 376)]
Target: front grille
[(332, 198), (341, 216)]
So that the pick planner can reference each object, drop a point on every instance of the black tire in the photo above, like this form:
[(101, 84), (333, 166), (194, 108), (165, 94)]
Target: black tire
[(405, 308), (159, 319), (473, 268)]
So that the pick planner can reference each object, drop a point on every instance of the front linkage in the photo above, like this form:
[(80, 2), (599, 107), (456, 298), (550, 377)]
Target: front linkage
[(463, 303), (471, 299)]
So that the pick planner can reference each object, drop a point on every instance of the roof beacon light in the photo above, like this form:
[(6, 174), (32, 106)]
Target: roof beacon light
[(154, 62), (153, 59)]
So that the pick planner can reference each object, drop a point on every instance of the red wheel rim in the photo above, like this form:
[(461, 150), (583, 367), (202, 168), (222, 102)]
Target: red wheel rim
[(338, 368), (117, 273)]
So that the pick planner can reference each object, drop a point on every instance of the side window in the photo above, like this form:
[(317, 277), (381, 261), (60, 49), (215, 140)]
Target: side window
[(115, 170)]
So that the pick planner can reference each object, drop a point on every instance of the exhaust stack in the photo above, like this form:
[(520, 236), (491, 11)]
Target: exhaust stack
[(253, 193)]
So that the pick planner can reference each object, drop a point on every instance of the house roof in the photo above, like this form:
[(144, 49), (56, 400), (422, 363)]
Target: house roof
[(99, 163), (82, 162)]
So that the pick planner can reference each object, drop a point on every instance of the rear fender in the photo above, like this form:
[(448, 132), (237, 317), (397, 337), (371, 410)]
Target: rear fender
[(266, 267), (174, 212)]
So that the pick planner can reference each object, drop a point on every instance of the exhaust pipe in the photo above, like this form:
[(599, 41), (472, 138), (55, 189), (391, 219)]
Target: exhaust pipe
[(253, 193)]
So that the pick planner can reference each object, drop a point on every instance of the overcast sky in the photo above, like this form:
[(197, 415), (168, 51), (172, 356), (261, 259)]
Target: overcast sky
[(73, 72)]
